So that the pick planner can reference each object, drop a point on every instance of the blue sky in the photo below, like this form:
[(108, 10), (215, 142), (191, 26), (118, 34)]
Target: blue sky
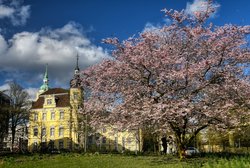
[(36, 32)]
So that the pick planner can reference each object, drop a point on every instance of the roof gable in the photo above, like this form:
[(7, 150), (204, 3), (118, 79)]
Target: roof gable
[(62, 98), (55, 91)]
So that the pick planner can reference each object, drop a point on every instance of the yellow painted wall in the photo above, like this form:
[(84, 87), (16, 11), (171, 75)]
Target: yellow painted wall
[(69, 123), (115, 140)]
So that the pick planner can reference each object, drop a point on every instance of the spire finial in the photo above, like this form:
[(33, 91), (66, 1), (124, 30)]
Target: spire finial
[(77, 59), (77, 69), (46, 71), (45, 85)]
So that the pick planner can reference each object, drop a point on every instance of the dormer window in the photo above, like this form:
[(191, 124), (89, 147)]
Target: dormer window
[(49, 101)]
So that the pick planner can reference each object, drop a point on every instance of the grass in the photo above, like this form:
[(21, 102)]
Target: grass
[(121, 161)]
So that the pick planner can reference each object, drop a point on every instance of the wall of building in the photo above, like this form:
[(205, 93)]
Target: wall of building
[(59, 125)]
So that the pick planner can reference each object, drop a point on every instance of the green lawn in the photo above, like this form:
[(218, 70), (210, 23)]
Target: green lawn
[(119, 161)]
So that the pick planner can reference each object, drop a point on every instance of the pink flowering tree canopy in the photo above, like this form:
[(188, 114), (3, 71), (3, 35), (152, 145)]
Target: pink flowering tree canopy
[(183, 77)]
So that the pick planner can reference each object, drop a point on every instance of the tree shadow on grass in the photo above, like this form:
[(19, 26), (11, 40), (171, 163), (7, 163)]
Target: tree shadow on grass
[(173, 161), (196, 161)]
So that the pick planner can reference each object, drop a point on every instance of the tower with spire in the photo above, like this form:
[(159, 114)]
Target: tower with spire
[(76, 80), (77, 69), (45, 85), (56, 111)]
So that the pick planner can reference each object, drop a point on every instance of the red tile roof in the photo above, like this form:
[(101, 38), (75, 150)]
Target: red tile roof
[(62, 99), (55, 91)]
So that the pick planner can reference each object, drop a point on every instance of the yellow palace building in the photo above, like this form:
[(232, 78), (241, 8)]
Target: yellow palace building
[(54, 123)]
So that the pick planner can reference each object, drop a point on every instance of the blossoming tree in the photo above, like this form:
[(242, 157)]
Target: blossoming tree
[(183, 77)]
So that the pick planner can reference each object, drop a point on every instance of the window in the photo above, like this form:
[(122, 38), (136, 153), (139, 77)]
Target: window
[(35, 146), (60, 144), (49, 101), (35, 116), (123, 143), (129, 140), (90, 140), (52, 131), (104, 139), (116, 143), (35, 131), (61, 131), (43, 131), (52, 117), (44, 116), (51, 144), (75, 96), (61, 115)]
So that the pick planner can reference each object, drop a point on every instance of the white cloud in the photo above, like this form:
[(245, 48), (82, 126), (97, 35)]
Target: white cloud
[(32, 93), (200, 6), (151, 27), (3, 45), (17, 13), (155, 27), (6, 11), (167, 21), (21, 15), (24, 56), (4, 87)]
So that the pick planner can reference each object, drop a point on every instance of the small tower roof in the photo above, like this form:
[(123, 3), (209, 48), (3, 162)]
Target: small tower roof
[(76, 81)]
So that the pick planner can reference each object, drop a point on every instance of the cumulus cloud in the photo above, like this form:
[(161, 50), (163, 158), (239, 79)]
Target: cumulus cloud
[(4, 87), (31, 91), (6, 11), (15, 11), (155, 27), (151, 27), (25, 55), (200, 6)]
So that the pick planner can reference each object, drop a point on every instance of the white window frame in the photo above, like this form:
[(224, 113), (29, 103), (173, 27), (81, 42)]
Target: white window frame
[(75, 95), (43, 131), (49, 101), (61, 115), (34, 131), (44, 116), (52, 115), (35, 116), (52, 133), (61, 131)]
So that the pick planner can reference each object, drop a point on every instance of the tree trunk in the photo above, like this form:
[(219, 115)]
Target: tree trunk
[(181, 150), (180, 146), (85, 135), (13, 133), (139, 140)]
